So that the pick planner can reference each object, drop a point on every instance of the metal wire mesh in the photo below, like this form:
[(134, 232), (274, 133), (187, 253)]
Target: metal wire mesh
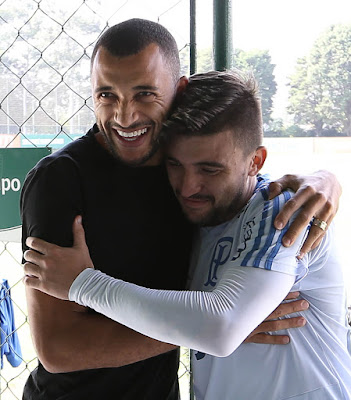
[(45, 100)]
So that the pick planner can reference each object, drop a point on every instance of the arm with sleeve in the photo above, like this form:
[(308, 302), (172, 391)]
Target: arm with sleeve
[(250, 287)]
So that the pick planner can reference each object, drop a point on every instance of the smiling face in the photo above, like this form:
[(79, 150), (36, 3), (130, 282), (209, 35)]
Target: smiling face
[(132, 97), (211, 176)]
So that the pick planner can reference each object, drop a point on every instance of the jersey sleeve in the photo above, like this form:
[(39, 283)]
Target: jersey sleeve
[(260, 244)]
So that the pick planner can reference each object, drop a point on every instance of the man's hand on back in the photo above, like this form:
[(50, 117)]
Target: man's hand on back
[(316, 195), (52, 269), (271, 324)]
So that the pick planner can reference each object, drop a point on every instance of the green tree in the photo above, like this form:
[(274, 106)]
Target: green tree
[(260, 63), (305, 98), (257, 61), (320, 89)]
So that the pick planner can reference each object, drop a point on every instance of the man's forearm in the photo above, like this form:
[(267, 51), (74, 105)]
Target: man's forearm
[(108, 344), (69, 339)]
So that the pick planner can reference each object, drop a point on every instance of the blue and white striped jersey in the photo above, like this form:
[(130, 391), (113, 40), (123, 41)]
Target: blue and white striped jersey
[(316, 365)]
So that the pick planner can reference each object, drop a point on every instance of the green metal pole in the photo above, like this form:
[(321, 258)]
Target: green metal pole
[(193, 37), (222, 34)]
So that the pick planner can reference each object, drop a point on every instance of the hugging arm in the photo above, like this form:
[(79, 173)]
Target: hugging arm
[(40, 276), (194, 319), (316, 195), (64, 333)]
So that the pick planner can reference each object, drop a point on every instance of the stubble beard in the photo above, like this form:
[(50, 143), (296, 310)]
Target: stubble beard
[(155, 146), (219, 214)]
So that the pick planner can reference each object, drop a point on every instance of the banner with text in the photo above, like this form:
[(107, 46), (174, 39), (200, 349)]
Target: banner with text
[(14, 166)]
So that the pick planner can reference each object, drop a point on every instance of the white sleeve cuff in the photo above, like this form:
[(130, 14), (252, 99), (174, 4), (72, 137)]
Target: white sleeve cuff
[(81, 281)]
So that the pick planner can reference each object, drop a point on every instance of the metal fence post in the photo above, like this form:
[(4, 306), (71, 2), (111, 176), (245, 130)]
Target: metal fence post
[(193, 54), (222, 34)]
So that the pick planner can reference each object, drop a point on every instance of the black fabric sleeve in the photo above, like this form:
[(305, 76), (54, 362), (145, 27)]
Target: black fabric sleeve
[(50, 199)]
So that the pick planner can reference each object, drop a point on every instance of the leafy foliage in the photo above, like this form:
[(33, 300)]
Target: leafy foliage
[(259, 62), (256, 61), (320, 89)]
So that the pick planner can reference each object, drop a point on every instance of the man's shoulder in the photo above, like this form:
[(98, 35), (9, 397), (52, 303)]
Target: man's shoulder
[(260, 197), (255, 222), (74, 154), (259, 243)]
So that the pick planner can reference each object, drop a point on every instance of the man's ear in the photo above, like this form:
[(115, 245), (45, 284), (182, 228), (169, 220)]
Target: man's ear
[(181, 85), (257, 160)]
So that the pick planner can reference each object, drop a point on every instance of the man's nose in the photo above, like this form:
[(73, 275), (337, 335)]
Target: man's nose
[(125, 114), (190, 184)]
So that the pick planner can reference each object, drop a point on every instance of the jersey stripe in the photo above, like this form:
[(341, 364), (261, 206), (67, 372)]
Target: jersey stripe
[(276, 248), (270, 235), (258, 238)]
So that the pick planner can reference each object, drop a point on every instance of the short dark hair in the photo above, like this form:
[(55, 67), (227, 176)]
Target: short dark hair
[(132, 36), (216, 101)]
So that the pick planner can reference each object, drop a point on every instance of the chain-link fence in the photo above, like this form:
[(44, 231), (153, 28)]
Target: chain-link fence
[(45, 100)]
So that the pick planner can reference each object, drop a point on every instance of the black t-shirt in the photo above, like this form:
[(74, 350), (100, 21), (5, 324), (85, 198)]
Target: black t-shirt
[(135, 231)]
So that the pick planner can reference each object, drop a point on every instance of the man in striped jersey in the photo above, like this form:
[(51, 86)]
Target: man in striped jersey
[(240, 270)]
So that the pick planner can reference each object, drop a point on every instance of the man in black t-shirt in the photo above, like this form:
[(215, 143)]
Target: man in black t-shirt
[(115, 179)]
